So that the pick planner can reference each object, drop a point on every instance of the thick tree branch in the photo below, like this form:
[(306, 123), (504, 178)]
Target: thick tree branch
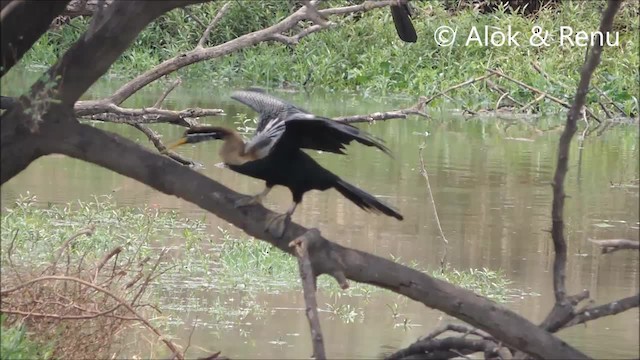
[(125, 157), (562, 311), (612, 308), (22, 23)]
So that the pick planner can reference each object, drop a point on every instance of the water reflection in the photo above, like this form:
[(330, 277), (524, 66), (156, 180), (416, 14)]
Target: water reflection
[(493, 198)]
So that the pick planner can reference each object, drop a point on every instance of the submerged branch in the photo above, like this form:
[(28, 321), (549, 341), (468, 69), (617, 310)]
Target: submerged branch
[(611, 245)]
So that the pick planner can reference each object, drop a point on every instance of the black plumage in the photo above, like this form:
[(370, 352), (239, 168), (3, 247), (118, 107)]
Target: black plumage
[(401, 15), (274, 153)]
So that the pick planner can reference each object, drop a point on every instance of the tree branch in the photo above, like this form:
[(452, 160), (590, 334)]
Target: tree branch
[(22, 23), (562, 311), (308, 279), (214, 22), (611, 245), (612, 308), (117, 114)]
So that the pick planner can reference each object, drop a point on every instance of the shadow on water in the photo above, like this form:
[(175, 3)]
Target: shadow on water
[(491, 187)]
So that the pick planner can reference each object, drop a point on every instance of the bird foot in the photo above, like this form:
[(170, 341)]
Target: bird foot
[(247, 201), (278, 225)]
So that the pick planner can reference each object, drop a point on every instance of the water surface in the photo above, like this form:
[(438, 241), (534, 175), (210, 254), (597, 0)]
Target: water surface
[(491, 187)]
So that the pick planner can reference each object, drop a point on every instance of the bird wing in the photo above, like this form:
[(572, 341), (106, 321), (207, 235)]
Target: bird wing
[(325, 134), (306, 131), (270, 109), (287, 125)]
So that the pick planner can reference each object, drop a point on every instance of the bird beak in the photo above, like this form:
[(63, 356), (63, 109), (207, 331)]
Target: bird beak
[(180, 142)]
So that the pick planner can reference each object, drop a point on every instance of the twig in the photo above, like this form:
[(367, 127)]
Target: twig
[(205, 36), (464, 83), (195, 18), (166, 92), (155, 140), (494, 87), (308, 279), (104, 260), (611, 245), (532, 102), (423, 171), (602, 93), (86, 231), (138, 317), (417, 109), (562, 311), (538, 91)]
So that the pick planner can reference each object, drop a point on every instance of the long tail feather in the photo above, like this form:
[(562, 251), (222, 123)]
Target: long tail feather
[(365, 200)]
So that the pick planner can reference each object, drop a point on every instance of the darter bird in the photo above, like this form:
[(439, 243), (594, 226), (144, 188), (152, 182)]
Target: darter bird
[(274, 153)]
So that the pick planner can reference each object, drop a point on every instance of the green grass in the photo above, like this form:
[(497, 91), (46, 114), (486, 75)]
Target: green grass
[(366, 57)]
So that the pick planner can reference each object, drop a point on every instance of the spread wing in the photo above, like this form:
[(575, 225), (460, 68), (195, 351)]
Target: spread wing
[(284, 125)]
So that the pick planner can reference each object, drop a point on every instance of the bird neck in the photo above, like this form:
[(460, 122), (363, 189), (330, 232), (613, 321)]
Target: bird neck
[(232, 151)]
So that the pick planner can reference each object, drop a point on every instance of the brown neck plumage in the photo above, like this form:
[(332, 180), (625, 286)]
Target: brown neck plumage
[(232, 151)]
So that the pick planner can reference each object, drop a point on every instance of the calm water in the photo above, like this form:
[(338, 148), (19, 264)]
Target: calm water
[(493, 197)]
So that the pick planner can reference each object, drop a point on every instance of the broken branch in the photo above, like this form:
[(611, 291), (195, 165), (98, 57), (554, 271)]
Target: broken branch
[(611, 245), (308, 279)]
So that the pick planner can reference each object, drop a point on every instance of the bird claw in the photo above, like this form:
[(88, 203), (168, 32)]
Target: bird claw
[(278, 229)]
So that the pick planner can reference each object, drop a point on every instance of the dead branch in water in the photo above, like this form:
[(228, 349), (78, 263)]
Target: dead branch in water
[(423, 172), (611, 245)]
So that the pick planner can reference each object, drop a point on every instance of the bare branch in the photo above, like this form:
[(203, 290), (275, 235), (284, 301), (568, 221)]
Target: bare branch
[(540, 92), (308, 279), (154, 137), (447, 348), (214, 22), (612, 308), (457, 86), (116, 114), (423, 171), (417, 109), (166, 92), (611, 245), (562, 311)]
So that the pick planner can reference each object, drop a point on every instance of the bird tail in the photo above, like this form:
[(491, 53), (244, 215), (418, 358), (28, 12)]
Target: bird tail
[(365, 200), (402, 20)]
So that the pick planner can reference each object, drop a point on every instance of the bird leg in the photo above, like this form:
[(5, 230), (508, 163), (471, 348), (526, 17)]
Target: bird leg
[(252, 200), (281, 222)]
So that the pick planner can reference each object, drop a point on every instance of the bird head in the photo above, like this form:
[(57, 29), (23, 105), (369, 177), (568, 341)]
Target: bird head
[(201, 133)]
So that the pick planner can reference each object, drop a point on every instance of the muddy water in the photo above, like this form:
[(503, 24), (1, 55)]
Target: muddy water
[(490, 180)]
